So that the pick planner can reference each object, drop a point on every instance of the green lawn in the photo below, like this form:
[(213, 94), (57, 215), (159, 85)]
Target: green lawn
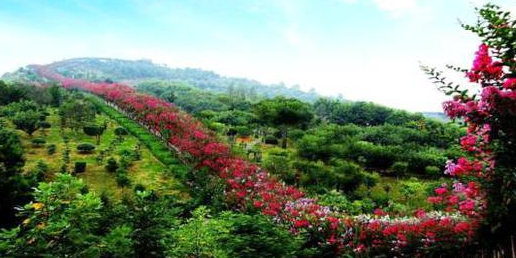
[(148, 171)]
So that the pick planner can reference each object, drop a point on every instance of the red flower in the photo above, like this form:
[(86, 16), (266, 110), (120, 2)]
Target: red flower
[(257, 204), (440, 191)]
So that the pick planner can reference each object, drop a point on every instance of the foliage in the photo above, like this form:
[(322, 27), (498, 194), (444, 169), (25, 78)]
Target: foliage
[(14, 188), (270, 139), (61, 221), (44, 125), (76, 113), (200, 237), (38, 142), (27, 121), (85, 148), (111, 165), (80, 167), (118, 242), (95, 130), (51, 149), (121, 131), (257, 236), (283, 113), (122, 179)]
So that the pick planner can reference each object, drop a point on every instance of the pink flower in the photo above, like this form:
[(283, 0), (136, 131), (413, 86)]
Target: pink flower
[(440, 191), (467, 205), (510, 83)]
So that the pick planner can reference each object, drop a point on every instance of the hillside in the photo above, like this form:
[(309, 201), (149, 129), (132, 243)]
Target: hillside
[(108, 69)]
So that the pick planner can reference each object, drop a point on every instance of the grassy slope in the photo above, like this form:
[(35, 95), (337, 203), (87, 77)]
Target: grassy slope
[(149, 171)]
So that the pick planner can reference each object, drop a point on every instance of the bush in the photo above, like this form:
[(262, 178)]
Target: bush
[(111, 165), (80, 167), (432, 170), (244, 131), (270, 139), (40, 170), (85, 148), (122, 179), (51, 149), (254, 236), (399, 168), (296, 134), (279, 163), (44, 125), (38, 142), (139, 188), (121, 132)]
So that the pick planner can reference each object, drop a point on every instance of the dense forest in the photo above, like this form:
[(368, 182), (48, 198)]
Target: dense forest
[(186, 163)]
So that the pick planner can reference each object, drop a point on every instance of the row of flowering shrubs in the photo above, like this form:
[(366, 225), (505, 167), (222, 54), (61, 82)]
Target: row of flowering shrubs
[(459, 206)]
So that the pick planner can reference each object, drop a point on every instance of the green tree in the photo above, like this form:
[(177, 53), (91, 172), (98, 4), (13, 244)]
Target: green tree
[(95, 130), (153, 218), (61, 222), (200, 237), (75, 114), (56, 95), (171, 97), (255, 236), (14, 188), (283, 113), (10, 93), (27, 121)]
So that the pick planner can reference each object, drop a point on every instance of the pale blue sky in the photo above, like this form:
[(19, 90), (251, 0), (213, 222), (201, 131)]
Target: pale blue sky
[(363, 49)]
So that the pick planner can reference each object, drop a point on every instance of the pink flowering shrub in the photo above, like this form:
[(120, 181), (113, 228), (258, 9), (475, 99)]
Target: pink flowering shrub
[(459, 207), (250, 188)]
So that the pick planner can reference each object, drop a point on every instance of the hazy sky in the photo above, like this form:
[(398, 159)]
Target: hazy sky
[(363, 49)]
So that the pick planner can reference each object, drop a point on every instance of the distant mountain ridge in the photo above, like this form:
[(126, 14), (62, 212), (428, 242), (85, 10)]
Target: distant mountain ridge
[(133, 71), (137, 71)]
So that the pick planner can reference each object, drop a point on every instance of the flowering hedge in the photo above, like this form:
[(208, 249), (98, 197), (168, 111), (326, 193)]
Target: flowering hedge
[(250, 188)]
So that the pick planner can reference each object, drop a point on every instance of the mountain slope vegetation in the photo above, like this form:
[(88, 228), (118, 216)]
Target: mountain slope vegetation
[(109, 69)]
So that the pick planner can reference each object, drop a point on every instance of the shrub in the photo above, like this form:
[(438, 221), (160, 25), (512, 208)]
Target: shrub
[(51, 149), (124, 153), (85, 148), (432, 170), (122, 179), (40, 170), (296, 134), (279, 163), (136, 154), (80, 167), (244, 131), (125, 161), (111, 165), (399, 168), (254, 236), (44, 125), (121, 132), (139, 188), (270, 139), (38, 142)]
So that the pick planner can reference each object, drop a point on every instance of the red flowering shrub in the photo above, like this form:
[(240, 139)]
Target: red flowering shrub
[(462, 204), (249, 187)]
